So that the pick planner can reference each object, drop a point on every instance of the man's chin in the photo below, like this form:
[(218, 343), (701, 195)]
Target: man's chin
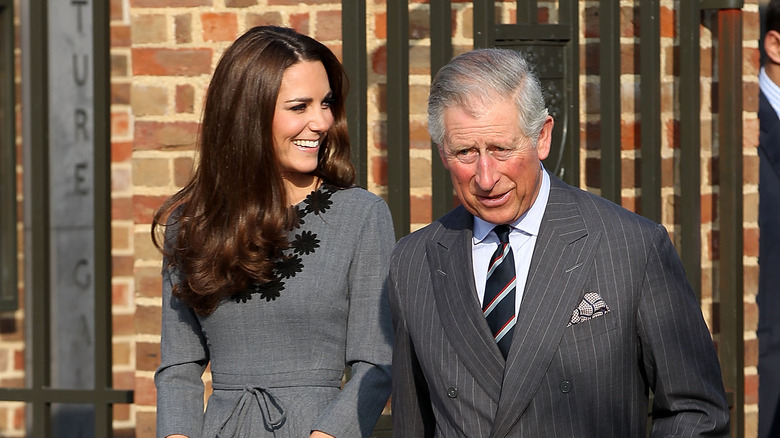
[(495, 215)]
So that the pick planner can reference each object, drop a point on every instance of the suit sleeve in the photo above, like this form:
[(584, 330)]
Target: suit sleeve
[(411, 405), (183, 359), (677, 350), (369, 332)]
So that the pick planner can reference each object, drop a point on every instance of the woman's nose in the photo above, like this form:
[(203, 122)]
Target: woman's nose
[(321, 120)]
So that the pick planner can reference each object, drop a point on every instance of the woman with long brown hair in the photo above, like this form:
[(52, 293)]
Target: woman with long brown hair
[(274, 262)]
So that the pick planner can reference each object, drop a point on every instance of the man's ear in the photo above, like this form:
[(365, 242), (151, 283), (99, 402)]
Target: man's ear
[(545, 139), (772, 46)]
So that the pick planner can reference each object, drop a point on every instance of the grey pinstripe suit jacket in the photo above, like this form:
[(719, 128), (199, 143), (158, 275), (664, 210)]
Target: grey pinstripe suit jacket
[(587, 380)]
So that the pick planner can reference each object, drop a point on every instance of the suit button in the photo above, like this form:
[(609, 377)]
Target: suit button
[(452, 392), (565, 386)]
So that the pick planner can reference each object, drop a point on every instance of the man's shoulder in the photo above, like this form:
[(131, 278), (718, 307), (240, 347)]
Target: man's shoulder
[(596, 210)]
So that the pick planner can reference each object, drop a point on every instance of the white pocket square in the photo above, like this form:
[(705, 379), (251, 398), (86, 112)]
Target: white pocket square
[(591, 306)]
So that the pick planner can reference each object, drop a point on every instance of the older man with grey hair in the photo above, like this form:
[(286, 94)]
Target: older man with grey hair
[(534, 308)]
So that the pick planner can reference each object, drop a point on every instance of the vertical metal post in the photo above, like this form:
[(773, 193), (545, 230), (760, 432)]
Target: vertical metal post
[(731, 345), (690, 147), (101, 38), (8, 214), (570, 159), (609, 61), (353, 31), (527, 11), (398, 115), (650, 108), (484, 22), (38, 247), (441, 52)]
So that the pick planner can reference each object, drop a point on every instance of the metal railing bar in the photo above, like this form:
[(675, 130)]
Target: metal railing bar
[(690, 147), (38, 283), (353, 31), (569, 14), (398, 115), (609, 62), (47, 396), (730, 214), (8, 240), (650, 108), (484, 22), (441, 52), (527, 11)]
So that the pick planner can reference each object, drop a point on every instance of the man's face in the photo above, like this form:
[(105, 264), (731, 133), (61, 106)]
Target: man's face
[(494, 168)]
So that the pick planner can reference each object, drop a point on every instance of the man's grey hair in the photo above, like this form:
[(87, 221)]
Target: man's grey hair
[(475, 80)]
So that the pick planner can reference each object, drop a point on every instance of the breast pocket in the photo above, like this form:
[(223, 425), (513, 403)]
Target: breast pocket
[(590, 329)]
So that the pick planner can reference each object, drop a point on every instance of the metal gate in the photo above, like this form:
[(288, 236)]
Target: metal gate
[(53, 408), (554, 47)]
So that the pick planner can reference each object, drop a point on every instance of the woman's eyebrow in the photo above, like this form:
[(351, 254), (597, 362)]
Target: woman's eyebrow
[(300, 99)]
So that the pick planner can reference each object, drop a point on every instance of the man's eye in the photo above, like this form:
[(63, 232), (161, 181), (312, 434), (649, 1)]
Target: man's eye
[(501, 153)]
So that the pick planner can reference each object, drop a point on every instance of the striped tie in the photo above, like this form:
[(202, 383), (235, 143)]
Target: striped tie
[(498, 305)]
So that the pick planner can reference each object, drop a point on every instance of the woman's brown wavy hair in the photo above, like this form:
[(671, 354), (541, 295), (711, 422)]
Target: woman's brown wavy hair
[(230, 222)]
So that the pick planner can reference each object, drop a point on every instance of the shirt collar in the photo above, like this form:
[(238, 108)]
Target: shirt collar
[(770, 90), (529, 223)]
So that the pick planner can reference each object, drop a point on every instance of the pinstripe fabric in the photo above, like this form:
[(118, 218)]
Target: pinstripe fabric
[(587, 380)]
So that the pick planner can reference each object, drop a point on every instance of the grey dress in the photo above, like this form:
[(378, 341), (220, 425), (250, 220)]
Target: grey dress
[(278, 351)]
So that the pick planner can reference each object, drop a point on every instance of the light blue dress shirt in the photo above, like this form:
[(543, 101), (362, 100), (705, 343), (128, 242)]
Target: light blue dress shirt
[(522, 238), (770, 90)]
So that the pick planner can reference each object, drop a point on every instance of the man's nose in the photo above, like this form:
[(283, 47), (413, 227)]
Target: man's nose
[(487, 174)]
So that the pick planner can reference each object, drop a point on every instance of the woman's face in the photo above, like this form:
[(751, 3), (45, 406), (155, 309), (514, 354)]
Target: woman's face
[(302, 117)]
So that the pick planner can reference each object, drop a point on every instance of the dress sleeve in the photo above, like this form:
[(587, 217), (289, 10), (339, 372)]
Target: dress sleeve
[(677, 350), (356, 410), (183, 358)]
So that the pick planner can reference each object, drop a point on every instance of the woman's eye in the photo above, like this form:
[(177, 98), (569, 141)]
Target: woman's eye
[(298, 108), (328, 103)]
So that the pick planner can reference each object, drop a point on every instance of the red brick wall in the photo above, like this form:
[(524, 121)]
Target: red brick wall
[(123, 285), (167, 97), (162, 55)]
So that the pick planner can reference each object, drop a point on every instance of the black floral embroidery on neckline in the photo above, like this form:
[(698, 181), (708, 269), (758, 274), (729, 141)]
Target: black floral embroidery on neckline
[(303, 243), (288, 266), (318, 202)]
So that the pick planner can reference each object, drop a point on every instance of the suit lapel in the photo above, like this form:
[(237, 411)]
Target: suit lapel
[(563, 253), (449, 259)]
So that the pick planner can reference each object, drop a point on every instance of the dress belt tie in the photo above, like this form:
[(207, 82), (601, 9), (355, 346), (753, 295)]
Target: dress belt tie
[(265, 401), (258, 393)]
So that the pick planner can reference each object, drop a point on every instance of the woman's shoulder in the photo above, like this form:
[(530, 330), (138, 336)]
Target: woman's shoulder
[(356, 195)]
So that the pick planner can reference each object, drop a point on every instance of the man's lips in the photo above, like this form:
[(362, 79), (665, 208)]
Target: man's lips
[(493, 201)]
